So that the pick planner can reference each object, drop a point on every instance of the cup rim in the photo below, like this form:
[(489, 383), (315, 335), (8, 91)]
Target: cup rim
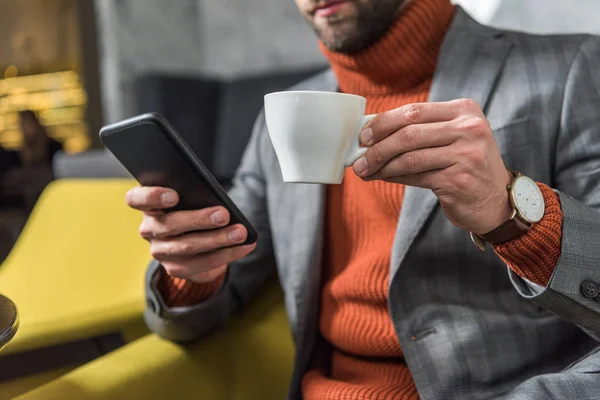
[(319, 92)]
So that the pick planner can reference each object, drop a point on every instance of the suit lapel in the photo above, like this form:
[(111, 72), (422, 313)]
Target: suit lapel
[(303, 208), (469, 65), (304, 205)]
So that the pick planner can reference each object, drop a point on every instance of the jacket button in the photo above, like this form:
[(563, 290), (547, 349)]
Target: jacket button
[(589, 289)]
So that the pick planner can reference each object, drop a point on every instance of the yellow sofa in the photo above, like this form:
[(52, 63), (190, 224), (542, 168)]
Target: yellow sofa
[(251, 358), (77, 269)]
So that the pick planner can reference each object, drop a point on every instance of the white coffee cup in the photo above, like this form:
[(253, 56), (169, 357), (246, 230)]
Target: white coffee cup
[(315, 134)]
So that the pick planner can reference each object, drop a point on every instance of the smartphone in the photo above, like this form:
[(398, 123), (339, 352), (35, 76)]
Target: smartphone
[(155, 154)]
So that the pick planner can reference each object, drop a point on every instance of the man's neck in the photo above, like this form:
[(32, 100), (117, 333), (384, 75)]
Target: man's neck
[(403, 58)]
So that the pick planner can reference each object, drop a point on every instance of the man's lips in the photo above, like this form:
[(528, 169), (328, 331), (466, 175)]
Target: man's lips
[(328, 8)]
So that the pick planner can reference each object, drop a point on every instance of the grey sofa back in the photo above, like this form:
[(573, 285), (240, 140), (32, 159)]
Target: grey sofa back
[(240, 101)]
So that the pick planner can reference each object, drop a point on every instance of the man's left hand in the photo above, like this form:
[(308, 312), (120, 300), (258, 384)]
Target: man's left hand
[(447, 147)]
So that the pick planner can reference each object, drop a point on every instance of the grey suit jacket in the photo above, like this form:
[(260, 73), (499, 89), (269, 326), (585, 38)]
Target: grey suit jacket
[(469, 328)]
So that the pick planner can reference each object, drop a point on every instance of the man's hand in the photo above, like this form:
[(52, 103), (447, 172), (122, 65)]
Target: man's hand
[(195, 245), (447, 147)]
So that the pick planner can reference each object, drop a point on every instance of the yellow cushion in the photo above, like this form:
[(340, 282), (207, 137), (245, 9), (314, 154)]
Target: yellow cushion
[(9, 389), (251, 358), (78, 267)]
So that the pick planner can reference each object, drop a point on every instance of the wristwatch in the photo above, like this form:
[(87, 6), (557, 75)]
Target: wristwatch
[(527, 202)]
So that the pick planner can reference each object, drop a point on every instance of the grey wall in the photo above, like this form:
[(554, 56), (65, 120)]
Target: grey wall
[(241, 36), (140, 36), (225, 38)]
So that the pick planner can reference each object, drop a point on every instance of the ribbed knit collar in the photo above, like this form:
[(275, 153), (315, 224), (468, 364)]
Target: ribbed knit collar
[(404, 57)]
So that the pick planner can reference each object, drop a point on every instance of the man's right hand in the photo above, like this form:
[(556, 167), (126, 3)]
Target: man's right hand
[(195, 245)]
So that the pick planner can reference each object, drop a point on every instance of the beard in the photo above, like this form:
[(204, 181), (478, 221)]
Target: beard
[(351, 34)]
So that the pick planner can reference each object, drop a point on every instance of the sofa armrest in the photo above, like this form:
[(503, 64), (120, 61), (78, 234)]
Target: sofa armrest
[(250, 358)]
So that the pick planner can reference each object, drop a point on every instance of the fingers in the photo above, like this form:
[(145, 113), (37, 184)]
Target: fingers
[(199, 265), (425, 180), (416, 162), (173, 248), (178, 222), (208, 276), (151, 198), (195, 244), (389, 122), (405, 140)]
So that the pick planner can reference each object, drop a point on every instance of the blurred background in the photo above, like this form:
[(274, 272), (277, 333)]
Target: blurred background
[(67, 67), (76, 63)]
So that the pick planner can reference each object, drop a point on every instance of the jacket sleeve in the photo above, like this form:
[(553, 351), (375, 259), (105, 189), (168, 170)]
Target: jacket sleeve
[(244, 277), (577, 182)]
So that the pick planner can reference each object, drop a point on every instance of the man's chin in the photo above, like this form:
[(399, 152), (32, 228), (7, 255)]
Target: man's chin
[(337, 37)]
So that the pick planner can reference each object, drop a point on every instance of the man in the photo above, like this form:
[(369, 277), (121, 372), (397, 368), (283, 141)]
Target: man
[(38, 148), (387, 293), (21, 171), (23, 175)]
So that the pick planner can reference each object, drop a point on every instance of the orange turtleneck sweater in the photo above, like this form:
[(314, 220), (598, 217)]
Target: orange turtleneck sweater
[(366, 359)]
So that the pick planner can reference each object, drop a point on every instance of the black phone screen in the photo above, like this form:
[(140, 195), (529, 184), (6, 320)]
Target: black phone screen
[(151, 154)]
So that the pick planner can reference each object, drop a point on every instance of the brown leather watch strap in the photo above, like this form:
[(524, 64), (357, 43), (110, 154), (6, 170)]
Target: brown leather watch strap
[(510, 230)]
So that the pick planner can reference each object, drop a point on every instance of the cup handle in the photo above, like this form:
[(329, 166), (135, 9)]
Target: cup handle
[(355, 149)]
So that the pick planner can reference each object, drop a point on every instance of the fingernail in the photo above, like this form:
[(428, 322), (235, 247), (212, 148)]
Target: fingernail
[(366, 136), (168, 198), (218, 218), (361, 165), (235, 235)]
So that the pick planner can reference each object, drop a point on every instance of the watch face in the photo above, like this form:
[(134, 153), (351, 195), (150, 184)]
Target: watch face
[(528, 199)]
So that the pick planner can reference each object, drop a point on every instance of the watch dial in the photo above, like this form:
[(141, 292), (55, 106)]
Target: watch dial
[(528, 199)]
